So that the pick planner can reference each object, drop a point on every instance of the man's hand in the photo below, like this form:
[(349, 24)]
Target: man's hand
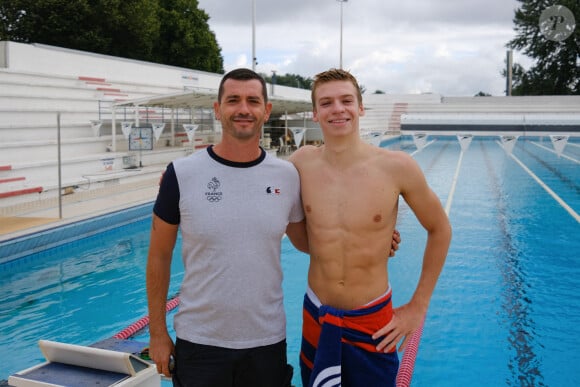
[(395, 243), (161, 348), (406, 320)]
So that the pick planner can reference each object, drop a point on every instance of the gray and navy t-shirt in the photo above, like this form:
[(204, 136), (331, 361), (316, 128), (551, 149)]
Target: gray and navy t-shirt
[(232, 217)]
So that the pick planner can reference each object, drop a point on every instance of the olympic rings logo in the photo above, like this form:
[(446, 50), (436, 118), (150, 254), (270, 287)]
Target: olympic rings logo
[(213, 197)]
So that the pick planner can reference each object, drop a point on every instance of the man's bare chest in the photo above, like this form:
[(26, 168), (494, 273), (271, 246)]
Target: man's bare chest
[(350, 202)]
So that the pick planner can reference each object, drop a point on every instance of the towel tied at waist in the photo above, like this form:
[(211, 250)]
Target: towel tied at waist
[(338, 348)]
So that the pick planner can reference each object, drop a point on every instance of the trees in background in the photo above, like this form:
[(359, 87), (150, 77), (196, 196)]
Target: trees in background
[(185, 38), (176, 32), (556, 70), (291, 80), (172, 32)]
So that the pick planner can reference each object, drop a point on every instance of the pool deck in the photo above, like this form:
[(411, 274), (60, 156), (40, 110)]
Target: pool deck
[(28, 218), (31, 217)]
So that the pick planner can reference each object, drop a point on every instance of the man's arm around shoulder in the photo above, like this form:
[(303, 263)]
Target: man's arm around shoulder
[(297, 234)]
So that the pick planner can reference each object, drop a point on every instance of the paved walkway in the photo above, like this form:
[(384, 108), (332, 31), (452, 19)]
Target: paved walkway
[(25, 218)]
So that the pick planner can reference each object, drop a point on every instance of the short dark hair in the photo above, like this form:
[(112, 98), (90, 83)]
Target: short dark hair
[(334, 75), (243, 75)]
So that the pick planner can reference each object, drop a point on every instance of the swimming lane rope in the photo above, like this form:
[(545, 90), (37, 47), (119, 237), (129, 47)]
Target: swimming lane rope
[(144, 321), (407, 365), (404, 374)]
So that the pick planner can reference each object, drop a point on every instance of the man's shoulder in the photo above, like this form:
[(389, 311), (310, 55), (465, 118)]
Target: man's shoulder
[(393, 156), (305, 152), (283, 163), (192, 158), (390, 162), (280, 164)]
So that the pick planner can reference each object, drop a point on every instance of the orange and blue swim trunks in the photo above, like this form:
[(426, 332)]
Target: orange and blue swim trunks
[(338, 348)]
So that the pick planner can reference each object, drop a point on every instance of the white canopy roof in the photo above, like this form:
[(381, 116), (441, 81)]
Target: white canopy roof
[(205, 99)]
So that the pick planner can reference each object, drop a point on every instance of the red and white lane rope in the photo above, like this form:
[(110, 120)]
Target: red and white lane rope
[(407, 365), (144, 321)]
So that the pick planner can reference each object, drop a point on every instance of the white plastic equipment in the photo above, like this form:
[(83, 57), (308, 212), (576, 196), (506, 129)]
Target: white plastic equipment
[(75, 365)]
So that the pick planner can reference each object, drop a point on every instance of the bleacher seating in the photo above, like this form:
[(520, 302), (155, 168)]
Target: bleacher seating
[(32, 101)]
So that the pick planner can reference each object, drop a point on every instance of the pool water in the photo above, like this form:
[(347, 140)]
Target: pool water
[(504, 312)]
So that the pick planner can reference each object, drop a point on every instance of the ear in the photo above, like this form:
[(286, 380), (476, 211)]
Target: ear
[(216, 110), (314, 115), (268, 111), (361, 110)]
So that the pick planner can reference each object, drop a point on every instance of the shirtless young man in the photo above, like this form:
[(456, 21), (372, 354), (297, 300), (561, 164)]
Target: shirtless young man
[(350, 193)]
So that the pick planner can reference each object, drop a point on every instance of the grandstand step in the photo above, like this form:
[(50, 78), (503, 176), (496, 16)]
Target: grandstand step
[(12, 179), (116, 94), (91, 79), (109, 89), (19, 192), (98, 83), (151, 116)]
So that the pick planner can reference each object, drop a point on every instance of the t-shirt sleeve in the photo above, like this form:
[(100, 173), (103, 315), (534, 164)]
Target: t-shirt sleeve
[(297, 211), (167, 203)]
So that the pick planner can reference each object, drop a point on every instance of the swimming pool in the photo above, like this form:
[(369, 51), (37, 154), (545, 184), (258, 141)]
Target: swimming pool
[(504, 312)]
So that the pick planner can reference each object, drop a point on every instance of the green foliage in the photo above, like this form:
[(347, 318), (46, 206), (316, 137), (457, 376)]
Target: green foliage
[(291, 80), (556, 70), (173, 32), (185, 38)]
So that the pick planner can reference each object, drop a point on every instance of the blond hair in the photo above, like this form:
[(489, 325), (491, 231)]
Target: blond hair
[(334, 75)]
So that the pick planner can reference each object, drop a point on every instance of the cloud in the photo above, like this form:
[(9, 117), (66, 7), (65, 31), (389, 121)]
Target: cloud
[(455, 47)]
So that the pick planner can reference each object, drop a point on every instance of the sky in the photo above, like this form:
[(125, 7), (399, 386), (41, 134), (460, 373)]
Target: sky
[(448, 47)]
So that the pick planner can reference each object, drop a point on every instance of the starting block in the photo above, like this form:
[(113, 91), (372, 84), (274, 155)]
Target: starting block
[(79, 366)]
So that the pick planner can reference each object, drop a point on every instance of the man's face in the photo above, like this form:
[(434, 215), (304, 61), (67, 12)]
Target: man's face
[(242, 109), (337, 108)]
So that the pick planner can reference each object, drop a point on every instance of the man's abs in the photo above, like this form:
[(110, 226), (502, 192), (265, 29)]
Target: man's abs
[(348, 285)]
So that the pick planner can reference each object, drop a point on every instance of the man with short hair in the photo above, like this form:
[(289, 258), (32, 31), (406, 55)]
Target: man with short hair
[(350, 193), (233, 203)]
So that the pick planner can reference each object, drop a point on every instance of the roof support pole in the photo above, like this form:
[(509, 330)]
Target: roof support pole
[(114, 130), (172, 127)]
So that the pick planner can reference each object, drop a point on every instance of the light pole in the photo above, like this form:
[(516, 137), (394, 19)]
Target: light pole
[(273, 80), (341, 1), (254, 35), (509, 75)]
